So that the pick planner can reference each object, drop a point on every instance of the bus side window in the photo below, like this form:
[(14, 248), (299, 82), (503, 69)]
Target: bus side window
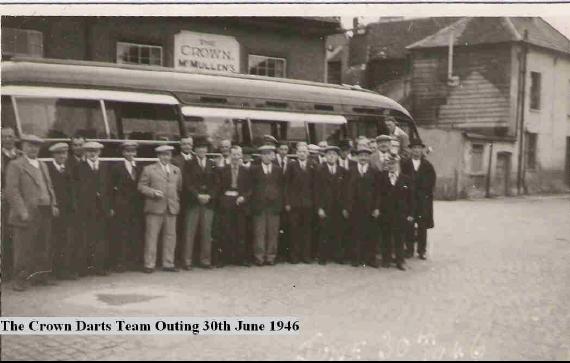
[(332, 133), (57, 118), (8, 114), (215, 129), (142, 121)]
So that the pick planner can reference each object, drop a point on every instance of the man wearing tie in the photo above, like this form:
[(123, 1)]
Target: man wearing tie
[(63, 244), (397, 210), (379, 157), (423, 174), (235, 192), (330, 205), (77, 152), (200, 183), (161, 184), (128, 206), (224, 159), (33, 204), (363, 205), (267, 203), (92, 182), (299, 180), (281, 160), (186, 155)]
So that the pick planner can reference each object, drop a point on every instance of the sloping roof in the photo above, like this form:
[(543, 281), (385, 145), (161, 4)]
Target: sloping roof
[(490, 30), (390, 39)]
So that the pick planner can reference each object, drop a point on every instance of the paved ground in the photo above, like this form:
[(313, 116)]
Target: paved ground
[(496, 287)]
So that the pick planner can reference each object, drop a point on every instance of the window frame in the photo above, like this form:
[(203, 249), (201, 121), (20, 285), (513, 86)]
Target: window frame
[(531, 152), (27, 31), (249, 58), (475, 146), (139, 46), (535, 91)]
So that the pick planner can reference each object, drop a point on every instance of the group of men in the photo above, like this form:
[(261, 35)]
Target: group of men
[(77, 215)]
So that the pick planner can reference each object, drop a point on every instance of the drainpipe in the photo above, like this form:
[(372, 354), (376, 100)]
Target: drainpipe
[(489, 164), (521, 185)]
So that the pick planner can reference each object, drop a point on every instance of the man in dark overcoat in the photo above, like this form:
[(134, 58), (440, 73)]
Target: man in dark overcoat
[(127, 203), (363, 205), (330, 205), (397, 211), (422, 172)]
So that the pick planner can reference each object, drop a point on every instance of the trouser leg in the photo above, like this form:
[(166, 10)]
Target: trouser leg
[(272, 226), (260, 233), (153, 226), (206, 218), (192, 219), (168, 240), (101, 246), (398, 238), (24, 249), (422, 240)]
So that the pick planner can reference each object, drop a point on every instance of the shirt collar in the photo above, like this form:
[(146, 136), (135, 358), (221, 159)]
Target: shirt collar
[(186, 156), (33, 162), (9, 153)]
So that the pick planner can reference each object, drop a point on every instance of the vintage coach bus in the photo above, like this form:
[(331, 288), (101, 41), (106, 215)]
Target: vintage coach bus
[(109, 103)]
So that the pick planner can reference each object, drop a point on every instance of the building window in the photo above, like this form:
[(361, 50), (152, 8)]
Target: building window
[(334, 72), (131, 53), (535, 89), (22, 42), (267, 66), (477, 151), (531, 140)]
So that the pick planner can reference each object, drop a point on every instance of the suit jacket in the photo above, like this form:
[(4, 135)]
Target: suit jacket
[(23, 189), (153, 179), (330, 194), (200, 181), (126, 198), (363, 191), (93, 189), (351, 164), (225, 184), (377, 162), (267, 189), (299, 184), (397, 201), (284, 163), (63, 188), (4, 166), (424, 182), (179, 161)]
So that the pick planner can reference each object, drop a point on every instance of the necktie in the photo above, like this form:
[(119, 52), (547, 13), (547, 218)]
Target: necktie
[(234, 177), (302, 166)]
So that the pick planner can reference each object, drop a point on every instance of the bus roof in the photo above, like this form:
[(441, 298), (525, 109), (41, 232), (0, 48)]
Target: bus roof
[(189, 87)]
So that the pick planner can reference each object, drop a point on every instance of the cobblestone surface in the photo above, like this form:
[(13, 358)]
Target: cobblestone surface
[(496, 286)]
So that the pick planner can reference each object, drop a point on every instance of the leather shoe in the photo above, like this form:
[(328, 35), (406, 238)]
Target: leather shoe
[(169, 269), (187, 268), (423, 257), (147, 270), (400, 267)]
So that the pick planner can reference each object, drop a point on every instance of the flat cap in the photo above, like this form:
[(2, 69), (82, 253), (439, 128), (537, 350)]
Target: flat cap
[(31, 139), (59, 147), (129, 144), (265, 148), (383, 138), (163, 148), (268, 139), (363, 149), (336, 149), (314, 149), (92, 145)]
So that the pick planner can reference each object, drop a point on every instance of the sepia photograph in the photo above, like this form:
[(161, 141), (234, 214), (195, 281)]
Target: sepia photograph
[(285, 182)]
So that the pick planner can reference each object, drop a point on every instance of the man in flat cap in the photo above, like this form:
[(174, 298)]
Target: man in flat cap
[(400, 137), (299, 184), (397, 211), (200, 184), (92, 181), (9, 153), (161, 184), (64, 245), (363, 205), (127, 203), (234, 197), (379, 157), (422, 172), (266, 206), (33, 203), (330, 206)]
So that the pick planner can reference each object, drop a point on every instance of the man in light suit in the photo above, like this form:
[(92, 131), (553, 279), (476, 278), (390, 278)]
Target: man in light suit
[(33, 203), (161, 184)]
